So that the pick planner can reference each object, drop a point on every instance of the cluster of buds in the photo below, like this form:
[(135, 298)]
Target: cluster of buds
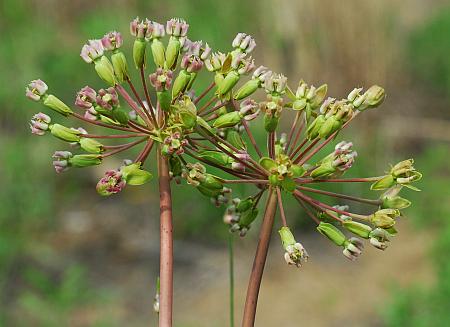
[(177, 29), (113, 41), (37, 91), (402, 174), (93, 52), (249, 110), (147, 31), (307, 98), (336, 163), (161, 80), (208, 184), (295, 253), (238, 65), (244, 43), (272, 109), (372, 98), (377, 237), (258, 79), (352, 247), (174, 144), (282, 171), (240, 214), (115, 180)]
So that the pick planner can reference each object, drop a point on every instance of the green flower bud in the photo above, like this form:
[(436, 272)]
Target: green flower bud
[(270, 123), (158, 52), (248, 217), (57, 105), (325, 169), (357, 228), (180, 83), (211, 182), (287, 238), (247, 89), (384, 218), (65, 133), (331, 125), (333, 234), (218, 79), (268, 163), (85, 160), (228, 83), (383, 183), (164, 99), (139, 56), (319, 96), (91, 145), (395, 202), (172, 52), (216, 157), (134, 175), (105, 70), (295, 252), (245, 204), (375, 96), (315, 126), (119, 62), (121, 116), (296, 171), (273, 180), (228, 120), (208, 192), (235, 139)]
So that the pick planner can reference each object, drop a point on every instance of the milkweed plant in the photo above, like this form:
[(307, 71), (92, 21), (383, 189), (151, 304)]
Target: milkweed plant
[(192, 130)]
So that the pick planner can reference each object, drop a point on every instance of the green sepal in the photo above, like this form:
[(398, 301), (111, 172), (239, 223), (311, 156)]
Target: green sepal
[(248, 217), (230, 80), (105, 70), (65, 133), (121, 116), (383, 183), (271, 123), (324, 170), (180, 83), (287, 238), (91, 145), (172, 52), (216, 157), (332, 233), (57, 105), (268, 163), (245, 204), (273, 180), (211, 182), (228, 120), (296, 171), (139, 56), (85, 160), (119, 62), (165, 99), (158, 52), (247, 89), (134, 175), (395, 202), (357, 228), (331, 125), (315, 126), (235, 139)]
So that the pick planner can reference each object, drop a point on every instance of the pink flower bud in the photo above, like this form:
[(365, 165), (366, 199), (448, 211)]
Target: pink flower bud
[(177, 27), (112, 40), (40, 123), (244, 42), (112, 183), (141, 29), (36, 89), (92, 50), (158, 30), (86, 98), (108, 99), (161, 79), (62, 160)]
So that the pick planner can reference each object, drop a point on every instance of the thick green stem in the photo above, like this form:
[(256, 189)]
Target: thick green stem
[(166, 244), (259, 261)]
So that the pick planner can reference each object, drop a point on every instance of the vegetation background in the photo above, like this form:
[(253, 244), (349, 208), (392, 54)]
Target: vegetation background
[(71, 258)]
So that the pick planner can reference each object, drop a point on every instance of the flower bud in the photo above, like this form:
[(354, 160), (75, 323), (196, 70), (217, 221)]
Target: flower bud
[(112, 41), (383, 183), (61, 162), (357, 228), (36, 89), (384, 218), (228, 120), (107, 99), (105, 70), (158, 50), (216, 157), (295, 252), (379, 237), (91, 145), (353, 248), (247, 89), (57, 105), (375, 96), (244, 43), (180, 83), (92, 51), (120, 66), (86, 98), (231, 79), (139, 53), (85, 160), (332, 233), (65, 133), (315, 127), (40, 124), (331, 125), (275, 84), (111, 183), (235, 139)]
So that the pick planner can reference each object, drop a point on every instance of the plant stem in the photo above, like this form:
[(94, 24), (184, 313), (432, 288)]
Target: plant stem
[(205, 92), (259, 261), (231, 267), (342, 196), (166, 244)]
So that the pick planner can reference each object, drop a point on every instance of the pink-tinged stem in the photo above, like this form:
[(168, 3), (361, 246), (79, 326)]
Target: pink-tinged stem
[(280, 205), (341, 196), (147, 96), (300, 196), (166, 244), (118, 136), (205, 92), (145, 152), (339, 180), (97, 123), (206, 105), (122, 148), (259, 261), (132, 103), (292, 130), (292, 155), (207, 112), (246, 181), (300, 156), (252, 139)]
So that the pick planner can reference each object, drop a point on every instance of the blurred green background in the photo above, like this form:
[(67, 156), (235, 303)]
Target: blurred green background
[(71, 258)]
